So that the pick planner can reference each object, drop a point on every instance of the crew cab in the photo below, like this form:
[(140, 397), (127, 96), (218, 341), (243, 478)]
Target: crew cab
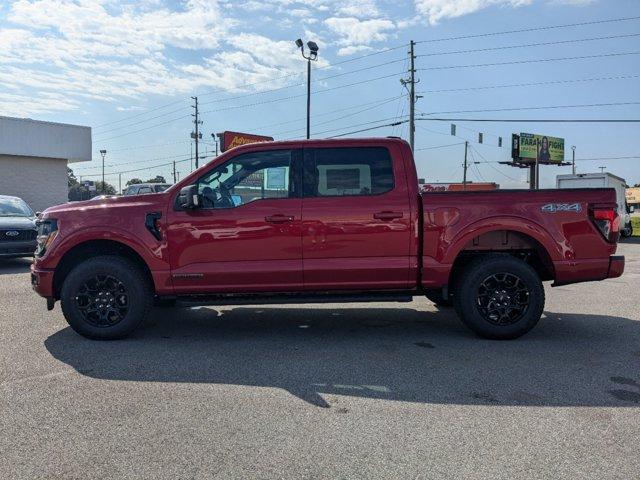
[(321, 221)]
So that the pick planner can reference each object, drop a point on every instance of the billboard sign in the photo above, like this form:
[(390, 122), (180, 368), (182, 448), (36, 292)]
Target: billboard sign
[(548, 150), (228, 140)]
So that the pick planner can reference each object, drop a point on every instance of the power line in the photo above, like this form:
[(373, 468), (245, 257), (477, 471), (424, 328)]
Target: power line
[(291, 97), (393, 124), (439, 146), (143, 129), (138, 169), (532, 120), (539, 60), (526, 45), (532, 29), (141, 121), (533, 84), (547, 107), (316, 80), (129, 117), (130, 163), (370, 54), (377, 104), (490, 165), (607, 158)]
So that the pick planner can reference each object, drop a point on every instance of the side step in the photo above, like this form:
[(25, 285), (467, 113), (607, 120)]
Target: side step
[(292, 298)]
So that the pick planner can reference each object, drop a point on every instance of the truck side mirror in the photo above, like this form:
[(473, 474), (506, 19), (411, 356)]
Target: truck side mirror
[(632, 208), (189, 198)]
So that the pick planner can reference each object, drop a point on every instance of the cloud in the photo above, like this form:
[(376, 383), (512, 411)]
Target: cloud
[(436, 10), (352, 31)]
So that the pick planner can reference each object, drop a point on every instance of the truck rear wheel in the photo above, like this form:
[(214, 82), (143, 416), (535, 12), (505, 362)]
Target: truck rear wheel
[(106, 297), (499, 297)]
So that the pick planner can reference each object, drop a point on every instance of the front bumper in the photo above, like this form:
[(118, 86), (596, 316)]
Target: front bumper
[(18, 249), (42, 282)]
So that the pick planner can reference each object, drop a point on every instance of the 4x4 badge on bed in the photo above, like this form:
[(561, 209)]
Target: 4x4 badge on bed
[(561, 207)]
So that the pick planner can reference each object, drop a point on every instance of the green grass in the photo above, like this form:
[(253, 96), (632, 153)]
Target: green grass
[(635, 221)]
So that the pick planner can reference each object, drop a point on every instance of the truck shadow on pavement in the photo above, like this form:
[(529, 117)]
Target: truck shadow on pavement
[(11, 266), (387, 353)]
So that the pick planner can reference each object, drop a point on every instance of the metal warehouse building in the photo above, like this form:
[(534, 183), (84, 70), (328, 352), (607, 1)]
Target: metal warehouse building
[(34, 157)]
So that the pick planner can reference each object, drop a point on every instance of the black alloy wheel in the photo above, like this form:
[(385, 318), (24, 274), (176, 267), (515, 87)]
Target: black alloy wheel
[(102, 300), (503, 298)]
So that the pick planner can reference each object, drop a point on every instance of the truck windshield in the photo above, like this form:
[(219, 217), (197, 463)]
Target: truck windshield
[(14, 207)]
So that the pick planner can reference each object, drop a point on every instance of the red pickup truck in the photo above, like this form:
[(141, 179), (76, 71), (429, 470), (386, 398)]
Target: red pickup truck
[(321, 221)]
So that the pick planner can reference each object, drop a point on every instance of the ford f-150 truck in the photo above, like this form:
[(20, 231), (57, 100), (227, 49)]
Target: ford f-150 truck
[(321, 221)]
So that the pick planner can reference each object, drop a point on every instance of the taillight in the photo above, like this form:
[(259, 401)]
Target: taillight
[(608, 222)]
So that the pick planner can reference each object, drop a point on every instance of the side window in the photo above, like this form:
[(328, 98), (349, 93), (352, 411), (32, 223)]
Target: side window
[(248, 178), (331, 172), (132, 190), (144, 190)]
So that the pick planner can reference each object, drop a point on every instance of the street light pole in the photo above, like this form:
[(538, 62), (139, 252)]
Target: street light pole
[(313, 55), (573, 162)]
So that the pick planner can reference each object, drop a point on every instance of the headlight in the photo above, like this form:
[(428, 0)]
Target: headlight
[(47, 231)]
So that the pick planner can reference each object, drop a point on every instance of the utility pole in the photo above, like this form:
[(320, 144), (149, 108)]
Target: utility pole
[(573, 154), (412, 101), (465, 166), (602, 169), (196, 120), (174, 171), (103, 153), (120, 183)]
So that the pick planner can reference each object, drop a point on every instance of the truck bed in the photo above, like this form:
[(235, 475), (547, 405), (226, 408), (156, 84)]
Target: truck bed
[(553, 222)]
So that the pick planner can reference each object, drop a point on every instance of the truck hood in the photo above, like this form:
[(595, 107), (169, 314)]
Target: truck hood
[(107, 205), (17, 223)]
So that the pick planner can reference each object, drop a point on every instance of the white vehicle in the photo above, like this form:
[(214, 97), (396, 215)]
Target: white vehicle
[(602, 180)]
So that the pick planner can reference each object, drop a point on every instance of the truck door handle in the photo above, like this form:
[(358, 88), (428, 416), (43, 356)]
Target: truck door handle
[(387, 215), (279, 218)]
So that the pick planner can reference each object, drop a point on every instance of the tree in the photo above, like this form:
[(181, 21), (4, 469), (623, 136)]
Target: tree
[(78, 192), (71, 178), (134, 181), (108, 189), (636, 185), (156, 179)]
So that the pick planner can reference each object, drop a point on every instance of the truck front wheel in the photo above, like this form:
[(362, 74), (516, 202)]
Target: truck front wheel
[(105, 297), (499, 297)]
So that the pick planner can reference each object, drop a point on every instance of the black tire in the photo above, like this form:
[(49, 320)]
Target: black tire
[(435, 296), (499, 297), (106, 297), (627, 232)]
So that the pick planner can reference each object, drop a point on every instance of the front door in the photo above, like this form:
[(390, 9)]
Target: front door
[(246, 237), (356, 219)]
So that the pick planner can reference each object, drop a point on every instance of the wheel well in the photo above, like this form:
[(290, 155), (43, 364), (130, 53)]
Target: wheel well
[(92, 248), (507, 242)]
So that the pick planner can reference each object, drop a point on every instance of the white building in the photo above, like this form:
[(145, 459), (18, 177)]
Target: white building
[(34, 157)]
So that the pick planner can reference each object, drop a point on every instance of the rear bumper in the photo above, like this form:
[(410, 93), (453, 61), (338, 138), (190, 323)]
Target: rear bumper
[(576, 271), (616, 266), (42, 281)]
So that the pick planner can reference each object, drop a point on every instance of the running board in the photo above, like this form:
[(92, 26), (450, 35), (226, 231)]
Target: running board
[(292, 298)]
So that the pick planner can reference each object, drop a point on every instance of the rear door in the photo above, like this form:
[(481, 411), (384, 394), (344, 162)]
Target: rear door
[(355, 219)]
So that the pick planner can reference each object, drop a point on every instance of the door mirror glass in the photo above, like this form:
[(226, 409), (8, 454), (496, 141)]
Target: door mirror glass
[(189, 198), (632, 208)]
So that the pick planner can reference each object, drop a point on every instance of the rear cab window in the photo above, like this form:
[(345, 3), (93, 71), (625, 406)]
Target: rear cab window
[(348, 171)]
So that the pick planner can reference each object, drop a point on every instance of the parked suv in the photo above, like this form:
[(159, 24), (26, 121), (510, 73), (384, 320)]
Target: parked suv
[(17, 228), (145, 188)]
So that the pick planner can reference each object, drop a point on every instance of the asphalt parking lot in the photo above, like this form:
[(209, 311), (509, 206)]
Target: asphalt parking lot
[(328, 391)]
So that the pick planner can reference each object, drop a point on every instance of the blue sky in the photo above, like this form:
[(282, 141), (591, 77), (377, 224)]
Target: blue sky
[(128, 69)]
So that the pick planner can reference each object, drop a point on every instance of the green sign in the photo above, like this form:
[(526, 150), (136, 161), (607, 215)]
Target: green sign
[(545, 149)]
